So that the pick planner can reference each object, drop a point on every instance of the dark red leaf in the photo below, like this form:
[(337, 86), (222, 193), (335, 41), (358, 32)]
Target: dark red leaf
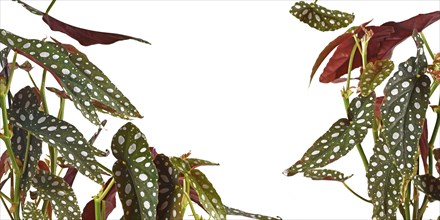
[(43, 166), (70, 175), (386, 37), (377, 105), (110, 204), (424, 146), (83, 36), (436, 153), (59, 93)]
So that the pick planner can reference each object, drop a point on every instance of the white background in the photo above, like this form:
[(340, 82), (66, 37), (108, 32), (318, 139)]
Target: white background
[(228, 81)]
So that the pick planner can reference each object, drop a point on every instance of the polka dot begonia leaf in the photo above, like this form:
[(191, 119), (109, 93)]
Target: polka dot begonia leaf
[(82, 81), (194, 162), (4, 59), (28, 156), (428, 185), (342, 136), (319, 17), (403, 110), (32, 212), (374, 74), (326, 174), (232, 211), (68, 140), (384, 182), (170, 192), (30, 8), (58, 192), (135, 174)]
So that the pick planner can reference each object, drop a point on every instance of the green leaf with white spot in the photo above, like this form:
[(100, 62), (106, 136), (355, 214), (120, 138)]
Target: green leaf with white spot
[(403, 110), (181, 165), (374, 74), (326, 174), (83, 86), (32, 212), (384, 182), (28, 156), (68, 140), (58, 192), (135, 174), (342, 136), (194, 162), (170, 192), (428, 185), (232, 211), (319, 17), (208, 196)]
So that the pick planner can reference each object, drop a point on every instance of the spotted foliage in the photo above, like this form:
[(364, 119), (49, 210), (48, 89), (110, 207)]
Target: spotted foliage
[(68, 140), (319, 17), (428, 185), (170, 192), (30, 8), (194, 162), (374, 74), (232, 211), (4, 60), (342, 136), (403, 109), (28, 150), (83, 84), (59, 193), (384, 182), (32, 212), (135, 174), (326, 174)]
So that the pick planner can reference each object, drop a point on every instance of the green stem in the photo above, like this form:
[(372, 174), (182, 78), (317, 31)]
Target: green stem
[(50, 6), (362, 154), (375, 129), (32, 79), (407, 200), (186, 193), (427, 45), (354, 193), (416, 203), (107, 189), (43, 91), (26, 154), (104, 168), (11, 74), (3, 197), (97, 209), (434, 86)]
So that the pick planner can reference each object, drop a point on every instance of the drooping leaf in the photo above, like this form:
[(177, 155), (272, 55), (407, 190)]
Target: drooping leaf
[(59, 193), (403, 110), (27, 156), (170, 192), (386, 38), (78, 83), (68, 140), (232, 211), (110, 204), (32, 212), (436, 153), (342, 136), (374, 74), (319, 17), (70, 175), (194, 162), (135, 173), (384, 182), (424, 146), (429, 185), (326, 174)]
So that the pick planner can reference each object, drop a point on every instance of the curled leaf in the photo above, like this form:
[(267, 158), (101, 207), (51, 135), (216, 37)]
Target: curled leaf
[(326, 174)]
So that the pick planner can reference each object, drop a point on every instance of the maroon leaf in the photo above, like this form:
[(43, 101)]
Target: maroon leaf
[(43, 166), (110, 204), (70, 175), (377, 105), (86, 37), (424, 146), (386, 37)]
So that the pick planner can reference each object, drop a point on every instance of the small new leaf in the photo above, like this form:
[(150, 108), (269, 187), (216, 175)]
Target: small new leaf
[(135, 174), (429, 185), (319, 17), (194, 162), (32, 212), (232, 211), (342, 136), (384, 182), (403, 110), (59, 193), (374, 74), (326, 174)]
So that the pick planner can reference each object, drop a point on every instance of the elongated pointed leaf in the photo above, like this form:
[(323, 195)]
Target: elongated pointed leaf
[(75, 80), (429, 185), (424, 146), (59, 193), (384, 182), (194, 162), (30, 8), (326, 174), (403, 109), (321, 18), (342, 136), (135, 173), (68, 140), (32, 212), (232, 211), (30, 156), (374, 74), (170, 192)]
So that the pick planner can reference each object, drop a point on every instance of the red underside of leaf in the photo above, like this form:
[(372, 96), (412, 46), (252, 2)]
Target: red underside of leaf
[(424, 146), (110, 204), (386, 37)]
